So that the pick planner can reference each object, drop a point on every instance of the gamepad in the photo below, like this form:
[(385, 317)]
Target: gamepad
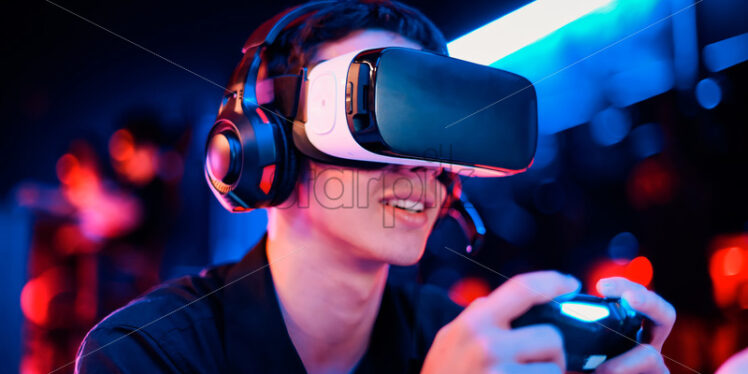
[(594, 329)]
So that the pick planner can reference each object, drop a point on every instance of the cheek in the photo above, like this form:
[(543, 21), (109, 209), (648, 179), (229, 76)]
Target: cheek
[(334, 191), (342, 194), (332, 188), (441, 194)]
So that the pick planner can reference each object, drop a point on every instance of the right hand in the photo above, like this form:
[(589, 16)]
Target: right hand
[(481, 340), (737, 364)]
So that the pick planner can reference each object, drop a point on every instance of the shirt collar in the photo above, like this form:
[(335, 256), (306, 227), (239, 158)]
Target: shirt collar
[(256, 338)]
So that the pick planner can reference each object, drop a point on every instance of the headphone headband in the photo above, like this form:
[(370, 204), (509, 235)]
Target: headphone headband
[(265, 35)]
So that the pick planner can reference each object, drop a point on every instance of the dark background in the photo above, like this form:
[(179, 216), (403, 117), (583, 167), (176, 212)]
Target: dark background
[(68, 86)]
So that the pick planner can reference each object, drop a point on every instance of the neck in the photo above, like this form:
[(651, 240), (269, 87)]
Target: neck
[(329, 298)]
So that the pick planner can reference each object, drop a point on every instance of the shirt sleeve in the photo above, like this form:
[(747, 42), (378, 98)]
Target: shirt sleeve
[(121, 350)]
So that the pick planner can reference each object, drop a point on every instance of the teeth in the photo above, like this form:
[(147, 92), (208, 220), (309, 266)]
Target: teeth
[(410, 205)]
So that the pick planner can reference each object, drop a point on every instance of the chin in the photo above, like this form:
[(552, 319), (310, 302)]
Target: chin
[(389, 246), (402, 249), (404, 260)]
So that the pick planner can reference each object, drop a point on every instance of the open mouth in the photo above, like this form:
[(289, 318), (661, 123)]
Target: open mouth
[(412, 206)]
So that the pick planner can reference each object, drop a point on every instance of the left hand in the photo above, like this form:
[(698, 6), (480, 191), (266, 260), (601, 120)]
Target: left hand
[(646, 357)]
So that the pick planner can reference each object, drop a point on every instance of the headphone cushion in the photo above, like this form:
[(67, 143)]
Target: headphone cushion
[(287, 161)]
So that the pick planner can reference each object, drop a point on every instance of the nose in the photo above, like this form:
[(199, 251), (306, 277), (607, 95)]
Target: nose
[(429, 172), (432, 170)]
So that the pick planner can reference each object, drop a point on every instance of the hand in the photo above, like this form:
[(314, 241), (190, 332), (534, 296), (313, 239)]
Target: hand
[(736, 364), (645, 358), (481, 340)]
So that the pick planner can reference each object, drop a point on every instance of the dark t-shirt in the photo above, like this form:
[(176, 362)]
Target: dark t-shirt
[(228, 319)]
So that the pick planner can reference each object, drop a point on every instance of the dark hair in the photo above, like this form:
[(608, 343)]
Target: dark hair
[(297, 44)]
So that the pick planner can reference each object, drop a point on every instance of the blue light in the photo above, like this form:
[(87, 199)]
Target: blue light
[(685, 46), (640, 81), (623, 246), (480, 228), (725, 53), (584, 311), (708, 93), (545, 152), (518, 29), (231, 235), (511, 222), (585, 59), (610, 126), (646, 140)]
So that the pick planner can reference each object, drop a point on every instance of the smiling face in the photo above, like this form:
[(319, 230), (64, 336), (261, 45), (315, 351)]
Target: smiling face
[(381, 215)]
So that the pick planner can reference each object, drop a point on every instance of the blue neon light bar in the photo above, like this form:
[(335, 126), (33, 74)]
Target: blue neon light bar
[(584, 56), (725, 53), (520, 28)]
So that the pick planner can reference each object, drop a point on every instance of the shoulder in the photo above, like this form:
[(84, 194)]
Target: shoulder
[(175, 327), (428, 307)]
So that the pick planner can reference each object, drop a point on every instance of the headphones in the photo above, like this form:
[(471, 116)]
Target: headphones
[(250, 159)]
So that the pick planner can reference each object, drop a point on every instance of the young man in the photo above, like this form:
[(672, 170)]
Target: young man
[(314, 295)]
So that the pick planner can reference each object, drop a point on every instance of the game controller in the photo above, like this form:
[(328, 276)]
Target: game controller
[(594, 329)]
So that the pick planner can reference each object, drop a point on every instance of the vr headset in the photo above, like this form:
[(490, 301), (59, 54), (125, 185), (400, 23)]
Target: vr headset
[(410, 107), (365, 109)]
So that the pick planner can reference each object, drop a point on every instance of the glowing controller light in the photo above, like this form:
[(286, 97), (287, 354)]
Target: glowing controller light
[(584, 311), (518, 29)]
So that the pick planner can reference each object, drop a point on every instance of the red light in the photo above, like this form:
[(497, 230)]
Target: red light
[(639, 270), (35, 298), (68, 168), (140, 168), (262, 115), (604, 269), (121, 145), (651, 183), (137, 163), (268, 174), (733, 262), (39, 292), (743, 297), (729, 273), (468, 289), (67, 239)]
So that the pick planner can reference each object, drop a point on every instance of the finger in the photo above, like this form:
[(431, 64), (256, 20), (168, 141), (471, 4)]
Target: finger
[(519, 293), (642, 359), (532, 368), (644, 301), (737, 364), (537, 343), (657, 309), (616, 286)]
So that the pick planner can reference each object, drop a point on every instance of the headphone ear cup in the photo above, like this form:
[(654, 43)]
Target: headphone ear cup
[(250, 160), (287, 161)]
